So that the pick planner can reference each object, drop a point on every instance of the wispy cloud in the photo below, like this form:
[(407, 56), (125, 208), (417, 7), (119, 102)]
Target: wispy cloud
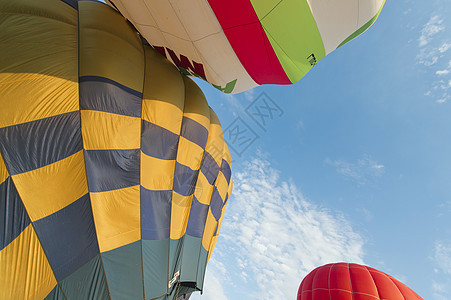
[(434, 46), (442, 72), (431, 28), (214, 279), (272, 236), (361, 171), (441, 283), (442, 257)]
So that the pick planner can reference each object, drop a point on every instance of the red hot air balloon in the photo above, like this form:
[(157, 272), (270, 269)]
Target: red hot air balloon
[(344, 281)]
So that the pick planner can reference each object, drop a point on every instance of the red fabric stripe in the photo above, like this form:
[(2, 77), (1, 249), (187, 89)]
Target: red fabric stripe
[(249, 41)]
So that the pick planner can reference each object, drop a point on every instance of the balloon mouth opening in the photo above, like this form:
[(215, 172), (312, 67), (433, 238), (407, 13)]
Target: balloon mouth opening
[(183, 290)]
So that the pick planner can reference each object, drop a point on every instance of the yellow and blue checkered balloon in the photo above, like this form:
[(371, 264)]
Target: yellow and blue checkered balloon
[(114, 173)]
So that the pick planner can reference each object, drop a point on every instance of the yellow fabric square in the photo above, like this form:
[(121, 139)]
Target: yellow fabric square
[(25, 272), (222, 185), (3, 171), (203, 190), (163, 114), (164, 92), (227, 157), (102, 131), (36, 96), (52, 187), (157, 174), (181, 206), (215, 143), (209, 230), (117, 217), (189, 154)]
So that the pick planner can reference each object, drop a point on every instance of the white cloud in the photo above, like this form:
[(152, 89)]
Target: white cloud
[(362, 171), (442, 72), (214, 278), (442, 257), (443, 48), (434, 45), (432, 27), (441, 284), (430, 52), (272, 236)]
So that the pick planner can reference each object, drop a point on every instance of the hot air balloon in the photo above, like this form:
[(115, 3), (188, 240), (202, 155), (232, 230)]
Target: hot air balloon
[(239, 44), (114, 174), (343, 281)]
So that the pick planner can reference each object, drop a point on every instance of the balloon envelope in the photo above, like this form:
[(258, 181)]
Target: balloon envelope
[(347, 281), (239, 44), (114, 174)]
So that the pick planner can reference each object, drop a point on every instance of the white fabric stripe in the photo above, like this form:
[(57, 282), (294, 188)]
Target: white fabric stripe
[(337, 20), (189, 28), (368, 9)]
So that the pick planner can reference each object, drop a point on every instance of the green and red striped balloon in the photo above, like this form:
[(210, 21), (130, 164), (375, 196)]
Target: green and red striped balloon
[(239, 44)]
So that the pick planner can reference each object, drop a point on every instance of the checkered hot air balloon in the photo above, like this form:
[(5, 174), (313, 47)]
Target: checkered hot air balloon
[(114, 174)]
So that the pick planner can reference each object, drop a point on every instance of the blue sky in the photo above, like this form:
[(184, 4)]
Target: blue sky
[(354, 165)]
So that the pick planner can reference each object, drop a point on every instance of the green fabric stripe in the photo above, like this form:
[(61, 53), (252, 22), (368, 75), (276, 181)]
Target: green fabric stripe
[(123, 268), (363, 28), (175, 252), (293, 34), (202, 267), (155, 267), (88, 282), (190, 257)]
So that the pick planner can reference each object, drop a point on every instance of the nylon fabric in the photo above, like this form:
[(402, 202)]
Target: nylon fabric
[(68, 237), (288, 18), (155, 214), (364, 26), (89, 275), (155, 270), (350, 281), (117, 217), (12, 213), (25, 272), (125, 260), (245, 33), (104, 131), (108, 170), (4, 174), (32, 145), (103, 94), (46, 190)]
